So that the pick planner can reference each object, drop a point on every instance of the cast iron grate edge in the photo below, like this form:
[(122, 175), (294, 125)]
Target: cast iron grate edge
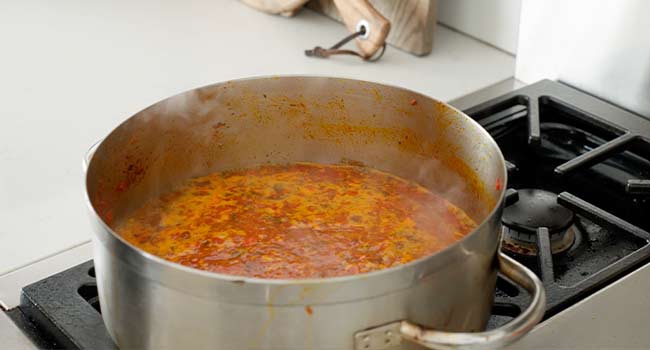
[(65, 308)]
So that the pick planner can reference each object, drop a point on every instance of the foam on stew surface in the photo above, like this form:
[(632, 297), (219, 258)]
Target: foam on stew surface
[(300, 220)]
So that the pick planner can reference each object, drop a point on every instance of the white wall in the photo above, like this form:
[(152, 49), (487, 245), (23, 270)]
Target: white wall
[(493, 21), (602, 47)]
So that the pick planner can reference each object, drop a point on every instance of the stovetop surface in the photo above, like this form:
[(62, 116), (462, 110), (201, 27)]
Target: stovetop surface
[(557, 141), (591, 158)]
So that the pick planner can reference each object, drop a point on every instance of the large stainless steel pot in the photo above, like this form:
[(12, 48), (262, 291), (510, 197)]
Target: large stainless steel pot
[(148, 302)]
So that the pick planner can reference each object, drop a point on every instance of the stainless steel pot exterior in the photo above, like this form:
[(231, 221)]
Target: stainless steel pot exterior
[(151, 303)]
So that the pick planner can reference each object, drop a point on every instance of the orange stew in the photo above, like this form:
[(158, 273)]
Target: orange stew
[(300, 220)]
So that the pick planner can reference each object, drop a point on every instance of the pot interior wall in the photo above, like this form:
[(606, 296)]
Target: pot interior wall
[(290, 119)]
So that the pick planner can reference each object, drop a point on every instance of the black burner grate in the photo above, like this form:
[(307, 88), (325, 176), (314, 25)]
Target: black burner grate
[(597, 157), (64, 308)]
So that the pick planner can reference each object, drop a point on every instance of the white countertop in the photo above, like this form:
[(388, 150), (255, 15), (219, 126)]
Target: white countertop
[(71, 70)]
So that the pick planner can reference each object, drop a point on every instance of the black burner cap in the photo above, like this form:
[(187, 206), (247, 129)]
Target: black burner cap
[(537, 208)]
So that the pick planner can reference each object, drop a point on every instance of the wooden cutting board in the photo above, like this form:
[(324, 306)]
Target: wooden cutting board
[(412, 21)]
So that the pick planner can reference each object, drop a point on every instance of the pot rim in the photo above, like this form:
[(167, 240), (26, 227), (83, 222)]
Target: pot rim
[(447, 251)]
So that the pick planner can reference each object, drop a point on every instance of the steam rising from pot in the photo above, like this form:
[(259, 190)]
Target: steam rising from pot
[(282, 120)]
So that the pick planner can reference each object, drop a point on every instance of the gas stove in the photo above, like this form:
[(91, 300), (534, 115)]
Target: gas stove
[(576, 213), (579, 187)]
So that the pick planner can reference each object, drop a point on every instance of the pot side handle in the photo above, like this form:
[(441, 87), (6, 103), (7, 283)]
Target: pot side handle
[(89, 155), (375, 338)]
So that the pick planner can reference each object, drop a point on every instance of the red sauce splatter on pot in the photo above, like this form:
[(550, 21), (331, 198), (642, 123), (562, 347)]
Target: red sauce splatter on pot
[(498, 185)]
